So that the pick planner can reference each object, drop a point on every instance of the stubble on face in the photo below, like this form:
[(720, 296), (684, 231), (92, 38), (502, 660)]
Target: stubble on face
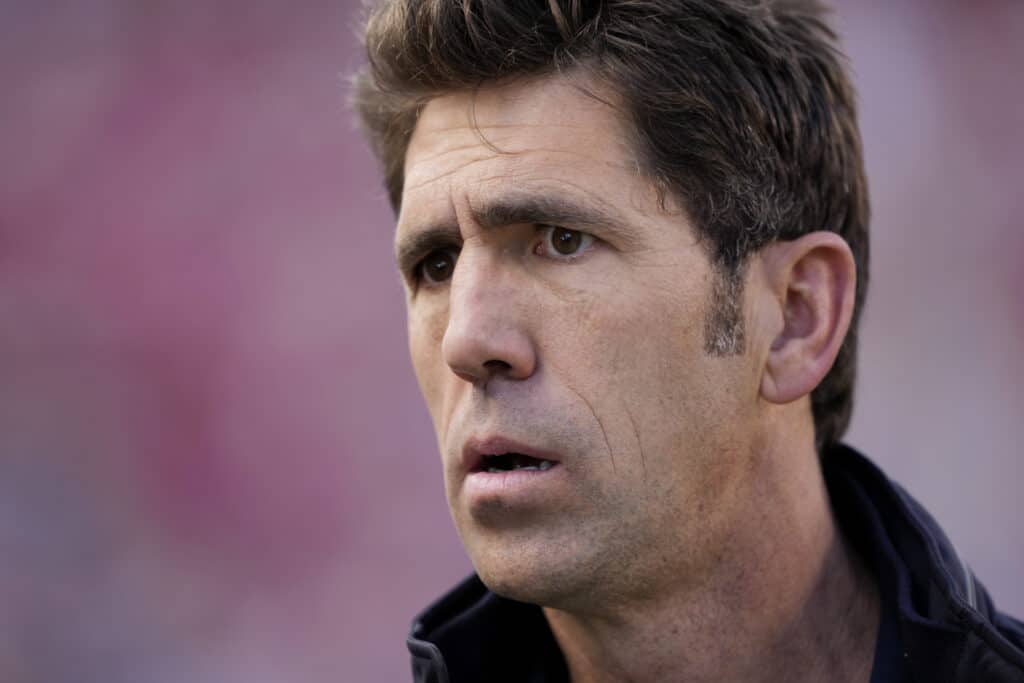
[(644, 419)]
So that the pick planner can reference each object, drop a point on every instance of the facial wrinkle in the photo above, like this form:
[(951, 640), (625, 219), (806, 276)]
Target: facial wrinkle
[(639, 443), (475, 125), (611, 453), (420, 185)]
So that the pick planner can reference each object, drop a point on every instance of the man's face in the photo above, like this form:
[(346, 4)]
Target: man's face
[(556, 310)]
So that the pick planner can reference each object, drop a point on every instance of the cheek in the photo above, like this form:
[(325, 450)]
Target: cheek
[(641, 342), (426, 332), (638, 356)]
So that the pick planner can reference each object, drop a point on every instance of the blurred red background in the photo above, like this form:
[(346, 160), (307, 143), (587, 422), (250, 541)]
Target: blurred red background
[(214, 462)]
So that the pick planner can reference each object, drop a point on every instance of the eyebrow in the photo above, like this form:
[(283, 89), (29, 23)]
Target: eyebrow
[(544, 210), (528, 209), (422, 242)]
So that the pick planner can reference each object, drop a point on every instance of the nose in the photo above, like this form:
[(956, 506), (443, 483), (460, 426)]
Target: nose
[(487, 334)]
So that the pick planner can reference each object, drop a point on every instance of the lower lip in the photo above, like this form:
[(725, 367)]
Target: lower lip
[(512, 486)]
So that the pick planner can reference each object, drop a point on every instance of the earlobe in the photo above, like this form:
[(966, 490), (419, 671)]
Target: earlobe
[(814, 280)]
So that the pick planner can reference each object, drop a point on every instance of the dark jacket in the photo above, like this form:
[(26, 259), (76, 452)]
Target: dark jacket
[(942, 619)]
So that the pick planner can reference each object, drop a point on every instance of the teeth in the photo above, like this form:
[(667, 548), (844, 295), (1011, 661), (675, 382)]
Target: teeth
[(513, 461), (544, 465)]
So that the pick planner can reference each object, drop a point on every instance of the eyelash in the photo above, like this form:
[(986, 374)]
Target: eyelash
[(547, 231), (417, 273)]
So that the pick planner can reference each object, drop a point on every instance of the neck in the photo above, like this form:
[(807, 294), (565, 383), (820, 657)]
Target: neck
[(788, 600)]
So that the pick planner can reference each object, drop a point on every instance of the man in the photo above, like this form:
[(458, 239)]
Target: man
[(633, 235)]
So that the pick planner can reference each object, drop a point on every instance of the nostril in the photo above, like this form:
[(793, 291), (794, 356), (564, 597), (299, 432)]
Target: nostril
[(497, 365), (466, 377)]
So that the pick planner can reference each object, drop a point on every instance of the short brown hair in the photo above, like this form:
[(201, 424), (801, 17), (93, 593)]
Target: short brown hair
[(741, 109)]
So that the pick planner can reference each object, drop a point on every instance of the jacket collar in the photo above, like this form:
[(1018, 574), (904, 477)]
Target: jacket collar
[(948, 627), (471, 634)]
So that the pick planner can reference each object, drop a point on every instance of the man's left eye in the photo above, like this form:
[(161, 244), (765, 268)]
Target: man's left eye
[(559, 242)]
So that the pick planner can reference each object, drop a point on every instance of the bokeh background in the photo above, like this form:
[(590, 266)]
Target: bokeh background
[(214, 463)]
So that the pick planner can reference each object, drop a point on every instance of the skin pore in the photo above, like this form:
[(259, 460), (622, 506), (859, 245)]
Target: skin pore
[(553, 301)]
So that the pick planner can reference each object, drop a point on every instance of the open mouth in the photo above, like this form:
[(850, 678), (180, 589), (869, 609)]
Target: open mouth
[(509, 462)]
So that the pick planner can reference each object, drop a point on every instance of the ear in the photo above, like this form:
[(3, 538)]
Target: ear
[(813, 280)]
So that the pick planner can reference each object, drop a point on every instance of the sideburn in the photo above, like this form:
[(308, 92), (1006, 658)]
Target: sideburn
[(724, 333)]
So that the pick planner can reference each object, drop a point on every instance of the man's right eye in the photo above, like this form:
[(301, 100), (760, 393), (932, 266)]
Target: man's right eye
[(437, 266)]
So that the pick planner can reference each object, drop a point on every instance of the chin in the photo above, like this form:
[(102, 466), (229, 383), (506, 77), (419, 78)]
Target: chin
[(540, 576), (520, 588)]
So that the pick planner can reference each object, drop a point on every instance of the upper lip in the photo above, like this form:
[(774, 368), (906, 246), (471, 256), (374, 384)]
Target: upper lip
[(477, 448)]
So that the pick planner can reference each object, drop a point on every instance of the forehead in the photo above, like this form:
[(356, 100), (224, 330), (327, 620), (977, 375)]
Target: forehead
[(546, 134)]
